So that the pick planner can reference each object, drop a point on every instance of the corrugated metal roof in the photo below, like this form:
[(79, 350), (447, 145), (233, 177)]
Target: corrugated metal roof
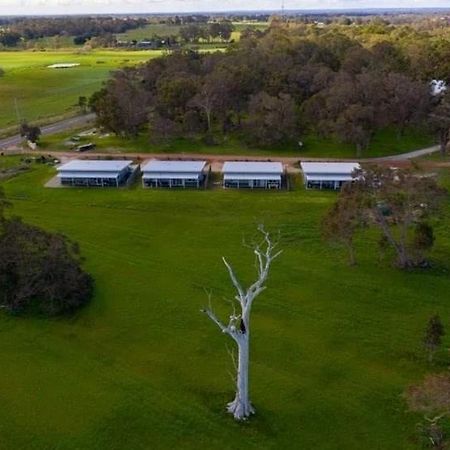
[(343, 168), (252, 167), (79, 174), (170, 175), (173, 166), (82, 165)]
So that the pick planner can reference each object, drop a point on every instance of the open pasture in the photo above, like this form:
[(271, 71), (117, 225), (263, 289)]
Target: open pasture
[(30, 90), (333, 347)]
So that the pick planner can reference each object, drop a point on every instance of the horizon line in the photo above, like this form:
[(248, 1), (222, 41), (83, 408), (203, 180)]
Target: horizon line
[(240, 11)]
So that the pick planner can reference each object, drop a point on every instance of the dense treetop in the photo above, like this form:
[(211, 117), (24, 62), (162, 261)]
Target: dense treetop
[(271, 87)]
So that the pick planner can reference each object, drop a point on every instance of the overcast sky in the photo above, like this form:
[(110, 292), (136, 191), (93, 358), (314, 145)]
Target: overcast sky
[(22, 7)]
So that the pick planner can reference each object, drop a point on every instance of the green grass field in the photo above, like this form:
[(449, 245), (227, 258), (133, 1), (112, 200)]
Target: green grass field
[(162, 30), (333, 347), (149, 31), (41, 92), (384, 143)]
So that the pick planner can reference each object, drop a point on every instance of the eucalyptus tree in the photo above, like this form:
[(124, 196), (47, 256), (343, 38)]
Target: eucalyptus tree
[(238, 327)]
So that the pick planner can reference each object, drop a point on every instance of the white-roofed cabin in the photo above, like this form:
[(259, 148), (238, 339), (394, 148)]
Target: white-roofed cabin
[(252, 175), (328, 175), (106, 173), (183, 174)]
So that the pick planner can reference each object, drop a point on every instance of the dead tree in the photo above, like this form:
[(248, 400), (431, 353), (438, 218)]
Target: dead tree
[(238, 327)]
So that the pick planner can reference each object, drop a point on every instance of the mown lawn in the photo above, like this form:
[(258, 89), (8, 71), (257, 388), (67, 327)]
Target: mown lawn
[(333, 347), (384, 143), (41, 92)]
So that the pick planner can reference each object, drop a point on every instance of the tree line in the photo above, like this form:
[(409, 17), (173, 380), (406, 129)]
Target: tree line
[(27, 29), (273, 87), (212, 31)]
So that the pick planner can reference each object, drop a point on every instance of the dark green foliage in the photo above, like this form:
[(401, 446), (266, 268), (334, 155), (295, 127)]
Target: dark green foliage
[(423, 236), (30, 132), (271, 120), (433, 336), (83, 104), (4, 203), (121, 105), (40, 271), (9, 38)]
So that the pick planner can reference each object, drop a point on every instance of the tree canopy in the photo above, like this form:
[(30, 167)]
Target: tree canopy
[(273, 87)]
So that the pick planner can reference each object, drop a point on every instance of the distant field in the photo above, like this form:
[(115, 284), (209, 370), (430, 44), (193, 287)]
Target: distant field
[(149, 31), (157, 29), (333, 347), (41, 92), (384, 143)]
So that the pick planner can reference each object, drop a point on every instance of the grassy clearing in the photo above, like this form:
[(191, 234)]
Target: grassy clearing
[(384, 143), (149, 31), (162, 30), (333, 347), (42, 92)]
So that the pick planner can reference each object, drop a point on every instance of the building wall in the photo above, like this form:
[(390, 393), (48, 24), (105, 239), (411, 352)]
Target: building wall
[(252, 184), (148, 181)]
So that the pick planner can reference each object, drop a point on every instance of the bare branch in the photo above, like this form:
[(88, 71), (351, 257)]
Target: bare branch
[(234, 280), (214, 318)]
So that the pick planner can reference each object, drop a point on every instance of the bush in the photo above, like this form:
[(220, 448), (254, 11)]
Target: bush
[(40, 272), (2, 72)]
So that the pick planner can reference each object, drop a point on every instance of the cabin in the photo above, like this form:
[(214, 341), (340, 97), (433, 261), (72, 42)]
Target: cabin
[(173, 174), (252, 174), (327, 175), (95, 173)]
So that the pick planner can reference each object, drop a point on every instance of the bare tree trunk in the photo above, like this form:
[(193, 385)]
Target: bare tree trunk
[(351, 255), (240, 407), (208, 119), (443, 142), (403, 259)]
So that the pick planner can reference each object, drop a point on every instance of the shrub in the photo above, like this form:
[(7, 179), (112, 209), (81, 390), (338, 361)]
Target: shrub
[(40, 271)]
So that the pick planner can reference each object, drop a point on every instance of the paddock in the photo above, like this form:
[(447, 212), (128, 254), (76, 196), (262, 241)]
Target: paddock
[(252, 175), (173, 174)]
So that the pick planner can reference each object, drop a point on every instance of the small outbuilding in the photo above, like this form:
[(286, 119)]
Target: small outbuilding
[(252, 174), (327, 175), (98, 173), (183, 174)]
